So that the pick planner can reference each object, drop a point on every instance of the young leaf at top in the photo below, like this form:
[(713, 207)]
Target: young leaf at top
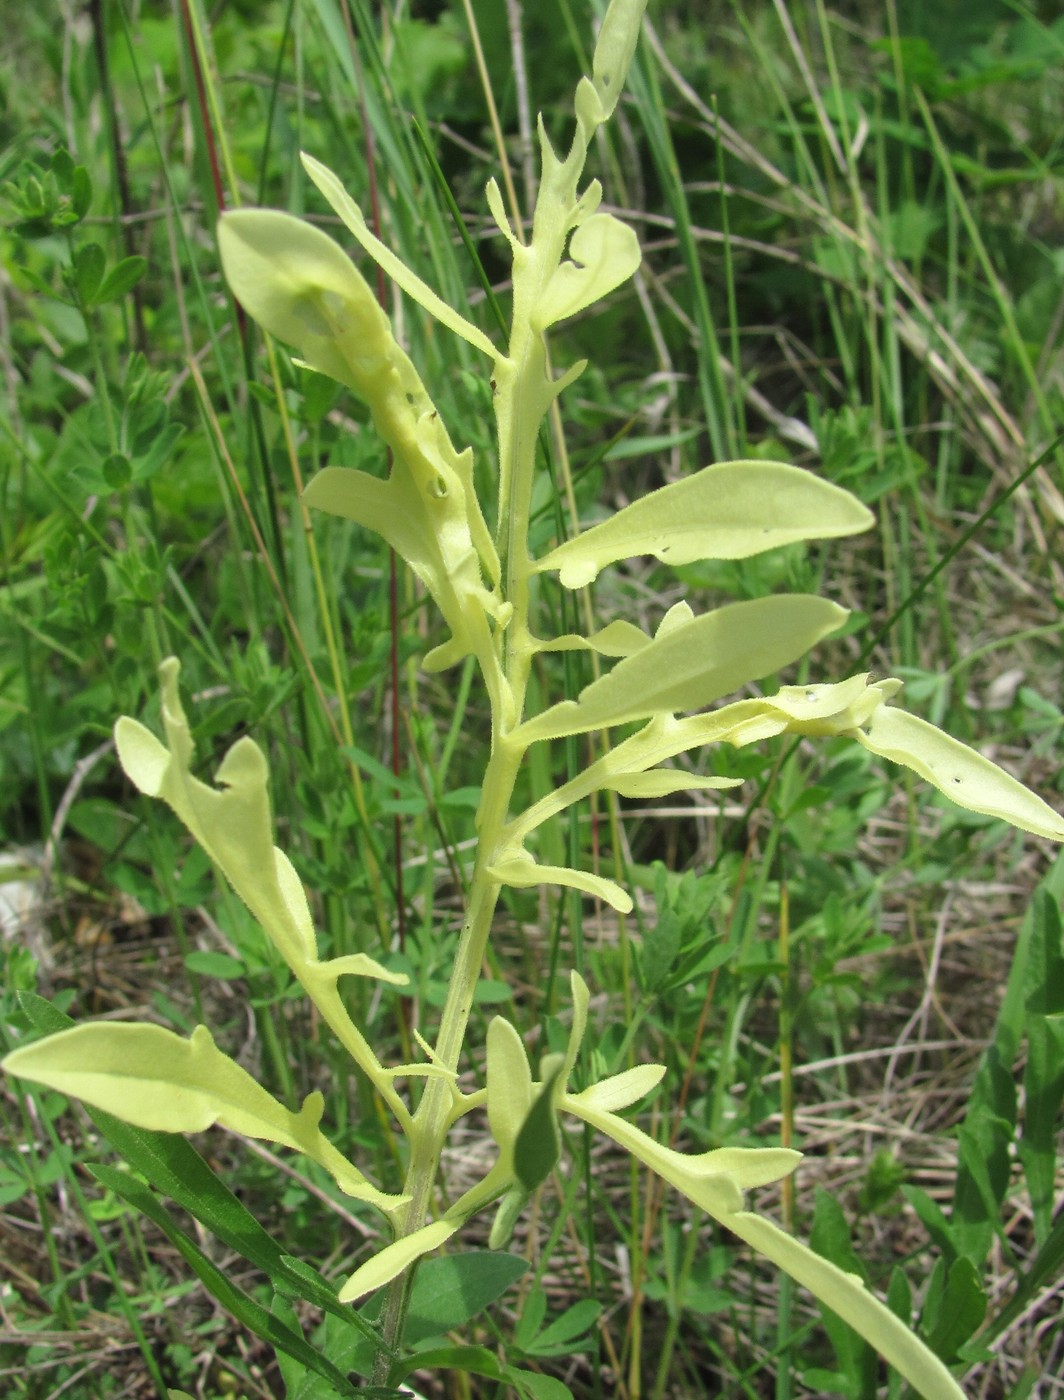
[(730, 510)]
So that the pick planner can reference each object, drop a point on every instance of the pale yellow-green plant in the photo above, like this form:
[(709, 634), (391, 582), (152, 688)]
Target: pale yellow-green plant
[(304, 289)]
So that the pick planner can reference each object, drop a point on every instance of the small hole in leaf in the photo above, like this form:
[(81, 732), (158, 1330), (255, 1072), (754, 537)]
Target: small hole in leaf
[(810, 695), (956, 780), (439, 488)]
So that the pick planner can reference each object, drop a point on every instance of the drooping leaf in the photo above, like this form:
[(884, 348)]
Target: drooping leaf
[(522, 872), (964, 776), (425, 520), (694, 664), (730, 510), (846, 1295), (713, 1180)]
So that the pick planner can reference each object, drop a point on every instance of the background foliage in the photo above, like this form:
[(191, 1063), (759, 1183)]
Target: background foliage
[(851, 220)]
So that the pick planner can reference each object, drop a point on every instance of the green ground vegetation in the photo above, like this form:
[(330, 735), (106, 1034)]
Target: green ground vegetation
[(851, 219)]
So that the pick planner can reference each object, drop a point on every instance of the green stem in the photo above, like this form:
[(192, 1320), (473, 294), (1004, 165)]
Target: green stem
[(434, 1114)]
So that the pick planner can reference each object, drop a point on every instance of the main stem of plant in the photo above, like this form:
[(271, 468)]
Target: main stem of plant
[(520, 407)]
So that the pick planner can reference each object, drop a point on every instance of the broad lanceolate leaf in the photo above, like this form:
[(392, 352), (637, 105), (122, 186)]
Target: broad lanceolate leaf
[(731, 510), (694, 664), (170, 1164), (424, 519), (303, 288), (965, 776), (154, 1079)]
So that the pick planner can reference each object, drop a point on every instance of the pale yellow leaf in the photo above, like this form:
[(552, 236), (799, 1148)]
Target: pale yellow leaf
[(390, 1262), (731, 510), (695, 664), (966, 777)]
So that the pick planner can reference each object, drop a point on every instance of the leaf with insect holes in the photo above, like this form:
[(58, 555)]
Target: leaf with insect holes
[(964, 776), (731, 510), (603, 253), (614, 50)]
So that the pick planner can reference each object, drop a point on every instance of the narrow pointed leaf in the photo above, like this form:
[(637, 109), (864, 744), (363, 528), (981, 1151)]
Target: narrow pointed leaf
[(393, 265), (620, 1090), (731, 510), (664, 782), (847, 1296), (239, 1304)]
